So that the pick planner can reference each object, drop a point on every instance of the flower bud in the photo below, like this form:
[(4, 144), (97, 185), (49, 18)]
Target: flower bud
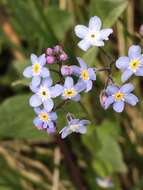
[(49, 51), (103, 96), (50, 59), (57, 49), (63, 57), (66, 70), (141, 30)]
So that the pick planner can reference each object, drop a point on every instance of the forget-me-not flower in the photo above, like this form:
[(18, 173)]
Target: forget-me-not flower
[(71, 91), (44, 94), (119, 96), (74, 125), (37, 70), (92, 35), (131, 65), (85, 74), (45, 120)]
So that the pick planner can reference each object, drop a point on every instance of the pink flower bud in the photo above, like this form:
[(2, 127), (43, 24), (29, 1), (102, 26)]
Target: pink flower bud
[(49, 51), (57, 49), (66, 70), (141, 30), (50, 59), (51, 130), (103, 97), (63, 57)]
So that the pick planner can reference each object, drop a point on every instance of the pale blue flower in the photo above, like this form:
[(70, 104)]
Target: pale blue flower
[(105, 182), (131, 65), (92, 35), (37, 70), (119, 96), (74, 125), (45, 120), (71, 91), (44, 94), (85, 74)]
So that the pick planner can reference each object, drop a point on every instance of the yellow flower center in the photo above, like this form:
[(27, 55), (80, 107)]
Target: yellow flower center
[(118, 96), (69, 93), (44, 116), (74, 127), (134, 64), (85, 75), (36, 68)]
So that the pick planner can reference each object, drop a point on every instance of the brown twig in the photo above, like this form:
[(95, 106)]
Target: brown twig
[(73, 168)]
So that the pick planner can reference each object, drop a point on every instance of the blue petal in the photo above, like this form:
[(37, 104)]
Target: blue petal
[(82, 129), (81, 31), (108, 102), (34, 58), (51, 124), (126, 75), (83, 65), (37, 122), (139, 72), (98, 43), (47, 82), (68, 82), (36, 81), (88, 85), (112, 89), (65, 132), (80, 86), (56, 90), (95, 23), (134, 51), (28, 72), (45, 125), (131, 99), (104, 34), (42, 59), (91, 74), (48, 104), (84, 44), (127, 88), (118, 106), (122, 63), (84, 122), (35, 101), (53, 116), (37, 110), (76, 98), (76, 70), (45, 72)]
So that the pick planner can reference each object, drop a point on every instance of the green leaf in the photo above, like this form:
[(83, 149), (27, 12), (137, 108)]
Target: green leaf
[(16, 118), (59, 20), (102, 142), (108, 10)]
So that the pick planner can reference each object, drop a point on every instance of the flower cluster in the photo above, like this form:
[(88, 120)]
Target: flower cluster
[(77, 79), (55, 55)]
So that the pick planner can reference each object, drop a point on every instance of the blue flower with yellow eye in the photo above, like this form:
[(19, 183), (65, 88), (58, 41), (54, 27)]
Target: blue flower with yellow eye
[(71, 91), (85, 74), (118, 96), (131, 65), (37, 70), (45, 120)]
